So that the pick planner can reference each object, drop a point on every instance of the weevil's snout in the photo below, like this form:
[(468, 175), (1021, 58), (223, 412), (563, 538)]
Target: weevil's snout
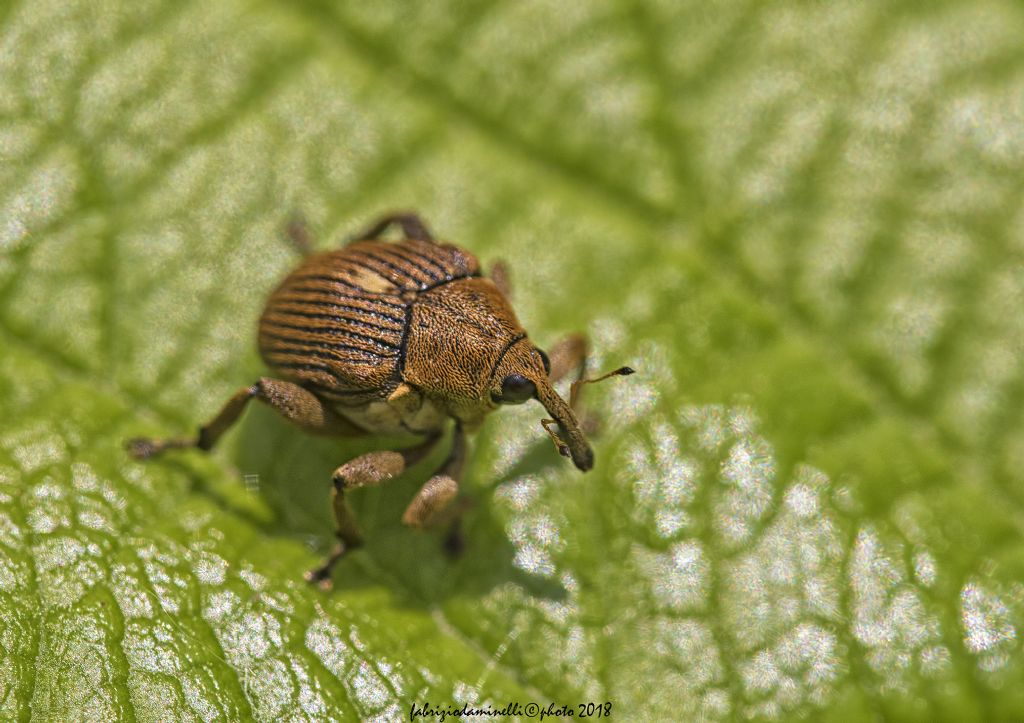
[(583, 458), (569, 439)]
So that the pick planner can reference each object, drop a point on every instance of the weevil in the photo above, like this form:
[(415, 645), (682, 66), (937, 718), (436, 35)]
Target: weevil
[(397, 338)]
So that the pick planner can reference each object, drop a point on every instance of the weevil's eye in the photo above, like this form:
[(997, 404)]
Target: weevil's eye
[(515, 389), (547, 362)]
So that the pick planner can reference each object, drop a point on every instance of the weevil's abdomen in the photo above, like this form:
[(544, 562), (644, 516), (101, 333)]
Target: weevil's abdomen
[(338, 324)]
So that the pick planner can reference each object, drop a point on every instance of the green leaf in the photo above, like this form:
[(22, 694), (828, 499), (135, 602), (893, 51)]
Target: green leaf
[(800, 222)]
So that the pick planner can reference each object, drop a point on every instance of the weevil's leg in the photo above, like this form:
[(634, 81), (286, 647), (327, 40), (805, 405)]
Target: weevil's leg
[(297, 405), (568, 354), (304, 409), (499, 275), (369, 469), (297, 232), (432, 505), (209, 433), (412, 226)]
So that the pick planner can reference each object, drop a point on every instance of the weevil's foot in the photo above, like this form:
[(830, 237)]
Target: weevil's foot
[(454, 543), (143, 447), (297, 233), (321, 577)]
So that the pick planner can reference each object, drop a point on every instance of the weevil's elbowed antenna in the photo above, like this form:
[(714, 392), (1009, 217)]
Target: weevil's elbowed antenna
[(574, 390), (571, 442)]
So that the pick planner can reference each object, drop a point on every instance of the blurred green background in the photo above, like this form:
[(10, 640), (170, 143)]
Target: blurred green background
[(801, 222)]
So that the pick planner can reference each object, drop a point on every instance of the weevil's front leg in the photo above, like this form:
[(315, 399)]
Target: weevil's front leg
[(297, 405), (366, 470), (432, 505), (499, 275), (412, 226), (568, 354), (297, 232)]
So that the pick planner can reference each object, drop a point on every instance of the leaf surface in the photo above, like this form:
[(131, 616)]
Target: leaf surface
[(800, 222)]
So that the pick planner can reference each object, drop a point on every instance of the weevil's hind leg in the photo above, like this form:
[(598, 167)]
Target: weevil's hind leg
[(299, 406), (411, 224), (499, 275), (297, 233), (367, 470), (432, 506)]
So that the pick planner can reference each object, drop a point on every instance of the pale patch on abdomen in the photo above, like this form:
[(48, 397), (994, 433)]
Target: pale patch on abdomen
[(387, 419)]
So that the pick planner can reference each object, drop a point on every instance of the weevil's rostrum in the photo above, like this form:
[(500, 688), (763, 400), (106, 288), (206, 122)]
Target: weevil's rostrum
[(382, 337)]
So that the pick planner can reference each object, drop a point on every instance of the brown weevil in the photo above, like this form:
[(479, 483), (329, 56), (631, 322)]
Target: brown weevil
[(395, 338)]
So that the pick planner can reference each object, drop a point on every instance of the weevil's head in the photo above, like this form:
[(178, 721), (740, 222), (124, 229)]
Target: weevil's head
[(521, 374)]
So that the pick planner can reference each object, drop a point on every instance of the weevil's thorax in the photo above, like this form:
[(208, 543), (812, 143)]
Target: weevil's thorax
[(457, 334)]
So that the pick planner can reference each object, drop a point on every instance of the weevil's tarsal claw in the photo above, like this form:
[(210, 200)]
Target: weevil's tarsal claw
[(145, 448), (141, 448), (454, 543), (321, 576)]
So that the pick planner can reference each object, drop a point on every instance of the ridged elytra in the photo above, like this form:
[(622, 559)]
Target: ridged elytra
[(382, 337)]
